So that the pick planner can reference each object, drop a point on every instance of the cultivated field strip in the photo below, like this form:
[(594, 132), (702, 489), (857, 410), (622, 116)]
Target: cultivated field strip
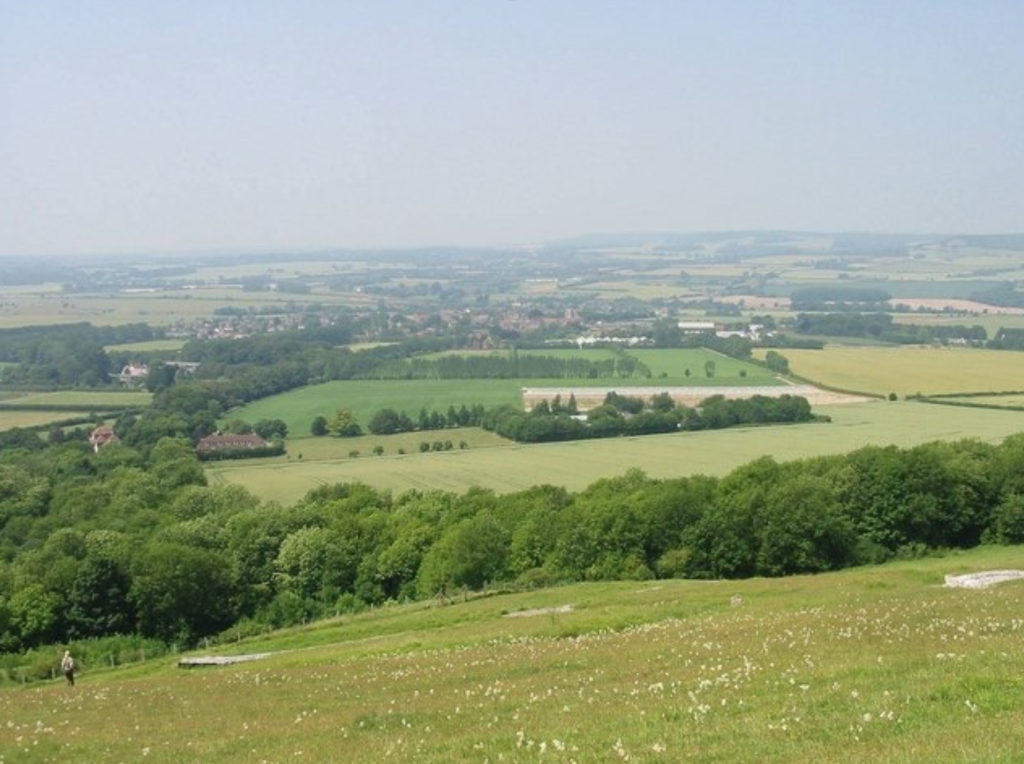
[(589, 397)]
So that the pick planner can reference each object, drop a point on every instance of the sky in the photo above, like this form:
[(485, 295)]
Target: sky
[(227, 125)]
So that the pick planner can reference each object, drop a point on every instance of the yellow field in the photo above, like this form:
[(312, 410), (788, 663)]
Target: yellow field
[(910, 370)]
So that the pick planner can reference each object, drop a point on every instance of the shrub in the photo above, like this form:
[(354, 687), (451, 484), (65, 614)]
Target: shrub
[(349, 603), (672, 564)]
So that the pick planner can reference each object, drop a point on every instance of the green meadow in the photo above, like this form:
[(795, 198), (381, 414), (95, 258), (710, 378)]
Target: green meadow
[(576, 465), (874, 665)]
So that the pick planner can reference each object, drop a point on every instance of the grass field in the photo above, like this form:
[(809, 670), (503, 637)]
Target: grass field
[(576, 465), (910, 370), (875, 665)]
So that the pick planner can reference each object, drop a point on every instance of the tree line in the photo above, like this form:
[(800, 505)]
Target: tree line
[(125, 543), (513, 366), (69, 355), (882, 327), (627, 415)]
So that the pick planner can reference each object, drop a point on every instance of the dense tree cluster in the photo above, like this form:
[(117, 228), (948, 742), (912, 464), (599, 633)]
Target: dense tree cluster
[(69, 355), (121, 542), (1005, 295), (839, 298), (1008, 339), (667, 334), (625, 415)]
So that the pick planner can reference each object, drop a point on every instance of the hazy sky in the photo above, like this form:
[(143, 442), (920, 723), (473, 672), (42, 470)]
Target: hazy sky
[(143, 126)]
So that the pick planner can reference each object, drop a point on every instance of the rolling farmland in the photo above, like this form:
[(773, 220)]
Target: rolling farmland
[(364, 398), (18, 409), (577, 464)]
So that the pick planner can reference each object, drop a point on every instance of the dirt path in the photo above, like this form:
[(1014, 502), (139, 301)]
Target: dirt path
[(983, 580)]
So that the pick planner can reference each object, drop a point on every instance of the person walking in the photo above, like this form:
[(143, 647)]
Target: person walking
[(67, 665)]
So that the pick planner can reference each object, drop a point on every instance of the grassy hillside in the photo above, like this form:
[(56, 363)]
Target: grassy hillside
[(578, 464), (870, 665)]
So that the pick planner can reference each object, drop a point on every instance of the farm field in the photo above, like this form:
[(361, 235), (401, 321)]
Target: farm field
[(899, 288), (1010, 401), (910, 370), (11, 419), (330, 448), (298, 408), (640, 290), (84, 398), (874, 665), (991, 321), (157, 309), (671, 363), (591, 354), (69, 405), (143, 347), (578, 464), (364, 398)]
